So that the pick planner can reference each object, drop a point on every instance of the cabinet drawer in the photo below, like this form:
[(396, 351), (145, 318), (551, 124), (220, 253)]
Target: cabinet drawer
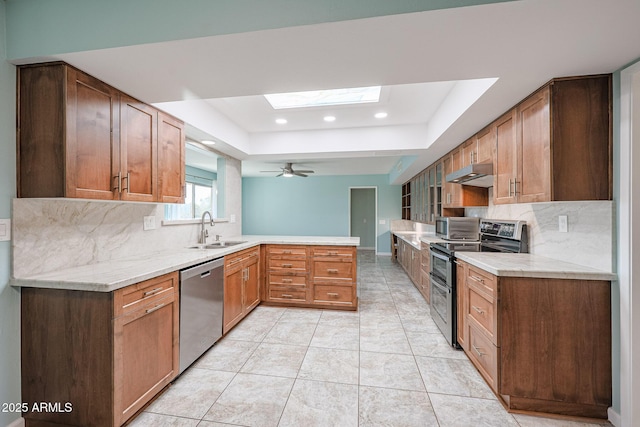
[(333, 252), (280, 251), (333, 294), (482, 310), (484, 281), (288, 266), (287, 295), (287, 280), (141, 294), (332, 270), (233, 259), (484, 355)]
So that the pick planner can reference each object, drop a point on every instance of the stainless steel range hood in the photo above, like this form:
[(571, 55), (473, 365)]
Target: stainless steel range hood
[(477, 174)]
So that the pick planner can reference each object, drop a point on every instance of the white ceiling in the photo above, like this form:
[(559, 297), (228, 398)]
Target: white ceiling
[(522, 43)]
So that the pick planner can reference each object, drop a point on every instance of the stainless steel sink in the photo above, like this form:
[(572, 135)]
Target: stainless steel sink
[(217, 245)]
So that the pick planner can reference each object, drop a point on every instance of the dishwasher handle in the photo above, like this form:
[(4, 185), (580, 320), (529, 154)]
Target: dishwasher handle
[(202, 270)]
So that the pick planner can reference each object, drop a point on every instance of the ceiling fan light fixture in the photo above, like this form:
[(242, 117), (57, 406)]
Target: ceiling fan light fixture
[(287, 174)]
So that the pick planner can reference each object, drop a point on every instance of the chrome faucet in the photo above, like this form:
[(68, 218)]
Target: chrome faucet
[(204, 233)]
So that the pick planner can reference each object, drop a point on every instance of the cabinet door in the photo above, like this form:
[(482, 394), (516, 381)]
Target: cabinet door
[(486, 142), (171, 179), (233, 296), (438, 190), (505, 168), (462, 301), (92, 152), (447, 166), (469, 151), (534, 139), (415, 265), (138, 147), (251, 285), (146, 354)]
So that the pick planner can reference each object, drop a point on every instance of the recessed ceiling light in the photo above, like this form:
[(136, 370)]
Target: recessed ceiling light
[(316, 98), (329, 118), (207, 142), (381, 115), (281, 121)]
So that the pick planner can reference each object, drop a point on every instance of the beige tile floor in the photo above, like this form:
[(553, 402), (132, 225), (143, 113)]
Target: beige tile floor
[(385, 365)]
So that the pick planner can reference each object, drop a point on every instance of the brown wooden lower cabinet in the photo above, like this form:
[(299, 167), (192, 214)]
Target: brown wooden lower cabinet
[(241, 286), (311, 276), (102, 354), (542, 345), (416, 263)]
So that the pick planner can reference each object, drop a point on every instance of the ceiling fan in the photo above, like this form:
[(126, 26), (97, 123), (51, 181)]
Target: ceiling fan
[(288, 171)]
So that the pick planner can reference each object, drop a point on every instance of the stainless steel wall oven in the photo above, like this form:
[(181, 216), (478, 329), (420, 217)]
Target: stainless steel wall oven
[(494, 236)]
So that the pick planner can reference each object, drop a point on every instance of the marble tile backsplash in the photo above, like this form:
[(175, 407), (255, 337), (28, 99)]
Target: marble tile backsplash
[(590, 237), (54, 234)]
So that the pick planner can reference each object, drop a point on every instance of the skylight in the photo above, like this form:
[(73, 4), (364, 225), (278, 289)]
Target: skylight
[(319, 98)]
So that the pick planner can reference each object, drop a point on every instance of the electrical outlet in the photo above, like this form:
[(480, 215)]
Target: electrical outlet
[(382, 222), (563, 224), (5, 230), (232, 218), (149, 223)]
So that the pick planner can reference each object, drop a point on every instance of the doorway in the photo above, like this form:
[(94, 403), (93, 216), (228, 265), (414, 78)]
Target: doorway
[(363, 216)]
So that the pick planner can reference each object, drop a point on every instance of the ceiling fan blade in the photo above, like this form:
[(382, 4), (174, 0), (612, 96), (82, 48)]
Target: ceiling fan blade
[(280, 174), (271, 171), (299, 173), (304, 171)]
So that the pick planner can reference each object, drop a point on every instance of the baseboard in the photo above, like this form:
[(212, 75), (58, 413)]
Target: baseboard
[(17, 423), (366, 248), (614, 417), (384, 253)]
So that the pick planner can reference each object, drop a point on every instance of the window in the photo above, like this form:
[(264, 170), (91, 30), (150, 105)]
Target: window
[(200, 196)]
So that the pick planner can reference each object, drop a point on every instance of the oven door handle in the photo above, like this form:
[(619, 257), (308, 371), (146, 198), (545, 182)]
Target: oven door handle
[(439, 286), (439, 256)]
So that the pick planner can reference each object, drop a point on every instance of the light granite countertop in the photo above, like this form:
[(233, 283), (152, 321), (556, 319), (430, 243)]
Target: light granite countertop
[(529, 265), (414, 238), (118, 273)]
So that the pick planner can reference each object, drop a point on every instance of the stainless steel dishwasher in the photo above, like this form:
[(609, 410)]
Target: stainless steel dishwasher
[(201, 293)]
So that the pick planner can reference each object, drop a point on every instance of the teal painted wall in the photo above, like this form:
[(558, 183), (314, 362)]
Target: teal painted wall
[(313, 206), (45, 27), (9, 297)]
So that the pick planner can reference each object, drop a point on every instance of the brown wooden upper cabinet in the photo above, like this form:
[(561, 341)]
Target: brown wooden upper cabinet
[(553, 146), (556, 144), (80, 138)]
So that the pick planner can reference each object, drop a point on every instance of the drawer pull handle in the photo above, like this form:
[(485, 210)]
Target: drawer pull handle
[(287, 265), (333, 253), (477, 350), (287, 296), (157, 307), (152, 292), (477, 309), (477, 279), (332, 270), (332, 294), (287, 280), (286, 252)]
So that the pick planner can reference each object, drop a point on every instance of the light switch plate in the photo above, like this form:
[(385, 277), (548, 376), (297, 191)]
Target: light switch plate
[(563, 223), (149, 223), (232, 218), (5, 230), (382, 222)]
